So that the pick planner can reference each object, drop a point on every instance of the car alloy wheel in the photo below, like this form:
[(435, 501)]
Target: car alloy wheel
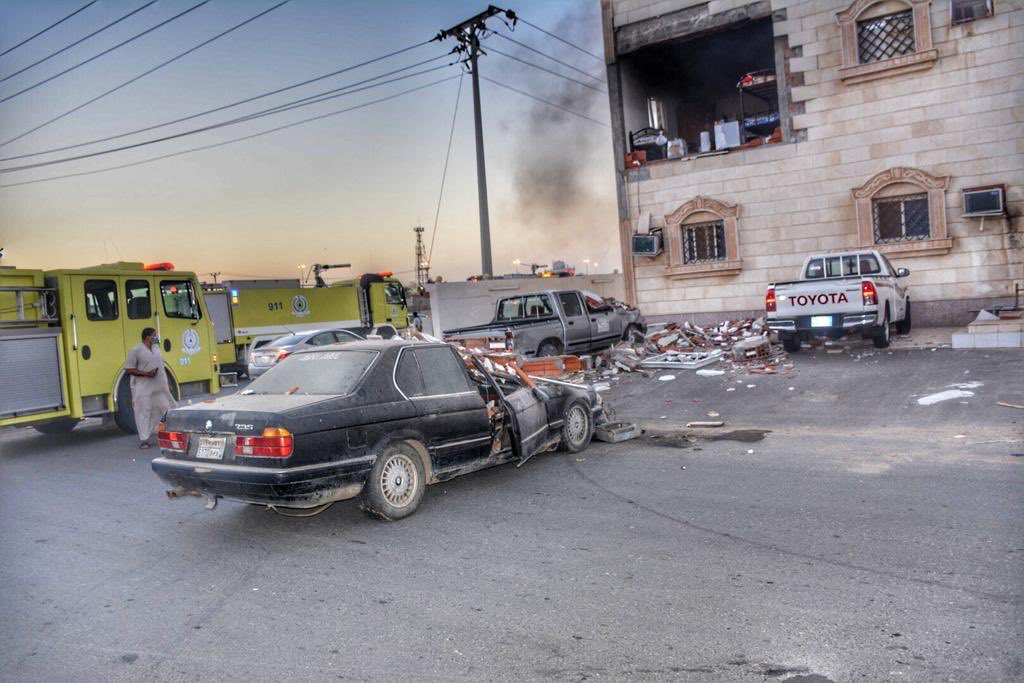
[(576, 424), (576, 427), (398, 480)]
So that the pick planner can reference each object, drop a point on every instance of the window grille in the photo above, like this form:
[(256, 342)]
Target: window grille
[(704, 242), (901, 219), (885, 37)]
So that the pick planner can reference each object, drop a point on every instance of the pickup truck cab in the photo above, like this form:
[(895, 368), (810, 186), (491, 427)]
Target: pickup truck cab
[(555, 322), (857, 292)]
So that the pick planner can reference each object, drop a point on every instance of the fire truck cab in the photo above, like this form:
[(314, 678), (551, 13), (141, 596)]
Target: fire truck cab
[(64, 336)]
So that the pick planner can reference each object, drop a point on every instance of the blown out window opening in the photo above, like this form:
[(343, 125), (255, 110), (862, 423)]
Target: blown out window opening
[(702, 93)]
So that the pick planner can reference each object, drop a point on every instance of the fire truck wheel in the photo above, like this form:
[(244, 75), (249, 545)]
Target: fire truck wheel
[(124, 416), (62, 425)]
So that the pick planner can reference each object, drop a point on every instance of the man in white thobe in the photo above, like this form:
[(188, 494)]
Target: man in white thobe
[(151, 395)]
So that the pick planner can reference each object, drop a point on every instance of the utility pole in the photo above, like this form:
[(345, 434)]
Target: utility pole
[(422, 266), (467, 34), (213, 275)]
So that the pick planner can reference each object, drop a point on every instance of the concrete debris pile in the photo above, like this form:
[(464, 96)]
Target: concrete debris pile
[(746, 343)]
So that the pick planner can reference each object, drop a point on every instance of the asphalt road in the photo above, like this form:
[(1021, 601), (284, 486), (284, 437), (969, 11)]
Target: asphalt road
[(865, 537)]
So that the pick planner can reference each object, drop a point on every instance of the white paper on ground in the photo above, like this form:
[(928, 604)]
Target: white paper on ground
[(944, 396)]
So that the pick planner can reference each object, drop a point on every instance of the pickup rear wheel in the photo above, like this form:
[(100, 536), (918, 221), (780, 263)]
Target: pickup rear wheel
[(903, 326), (395, 485), (549, 347), (578, 427), (791, 344), (884, 336)]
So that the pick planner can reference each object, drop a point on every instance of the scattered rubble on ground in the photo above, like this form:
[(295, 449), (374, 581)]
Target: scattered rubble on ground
[(735, 344)]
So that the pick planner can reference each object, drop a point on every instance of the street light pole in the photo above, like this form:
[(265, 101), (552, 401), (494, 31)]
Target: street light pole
[(467, 34)]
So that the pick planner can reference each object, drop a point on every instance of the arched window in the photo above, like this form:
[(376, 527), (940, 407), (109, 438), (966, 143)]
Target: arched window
[(702, 239), (903, 210), (884, 38)]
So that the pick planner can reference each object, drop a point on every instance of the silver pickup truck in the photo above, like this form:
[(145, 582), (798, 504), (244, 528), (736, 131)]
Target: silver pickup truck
[(839, 294), (555, 322)]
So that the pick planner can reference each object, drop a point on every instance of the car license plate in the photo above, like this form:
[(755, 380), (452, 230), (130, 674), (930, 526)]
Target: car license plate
[(211, 447), (821, 321)]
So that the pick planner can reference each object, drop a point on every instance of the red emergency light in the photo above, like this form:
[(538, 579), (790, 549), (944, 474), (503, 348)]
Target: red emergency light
[(385, 273), (164, 265)]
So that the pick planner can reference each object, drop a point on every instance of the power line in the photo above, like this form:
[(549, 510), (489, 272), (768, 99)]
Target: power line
[(233, 140), (546, 70), (77, 42), (53, 25), (547, 56), (220, 108), (140, 76), (192, 116), (444, 174), (287, 106), (539, 99), (107, 51), (563, 40)]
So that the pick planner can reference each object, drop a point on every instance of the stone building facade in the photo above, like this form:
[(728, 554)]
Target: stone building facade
[(861, 123)]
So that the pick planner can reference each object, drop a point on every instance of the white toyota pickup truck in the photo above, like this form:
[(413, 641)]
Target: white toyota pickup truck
[(840, 294)]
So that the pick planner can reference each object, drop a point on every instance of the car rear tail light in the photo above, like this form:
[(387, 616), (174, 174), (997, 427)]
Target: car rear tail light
[(867, 289), (275, 442), (508, 340), (769, 300), (172, 441), (281, 355)]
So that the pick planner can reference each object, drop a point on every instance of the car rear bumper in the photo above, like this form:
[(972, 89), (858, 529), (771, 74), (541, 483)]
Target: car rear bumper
[(257, 370), (299, 487), (840, 323)]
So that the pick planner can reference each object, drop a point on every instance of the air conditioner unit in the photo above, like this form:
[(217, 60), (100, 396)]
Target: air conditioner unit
[(646, 245), (961, 11), (984, 201)]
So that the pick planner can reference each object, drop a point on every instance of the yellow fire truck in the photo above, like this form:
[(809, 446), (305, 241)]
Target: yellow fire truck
[(64, 335), (245, 311)]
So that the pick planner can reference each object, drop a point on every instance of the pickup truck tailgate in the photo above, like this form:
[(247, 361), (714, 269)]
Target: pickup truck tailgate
[(828, 297)]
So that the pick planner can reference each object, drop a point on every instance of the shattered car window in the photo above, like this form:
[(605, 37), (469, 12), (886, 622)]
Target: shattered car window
[(318, 373)]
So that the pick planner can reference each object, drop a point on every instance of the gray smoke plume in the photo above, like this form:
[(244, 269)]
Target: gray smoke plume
[(560, 205)]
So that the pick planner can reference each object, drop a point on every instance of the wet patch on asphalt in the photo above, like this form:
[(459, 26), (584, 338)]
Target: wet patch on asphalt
[(684, 439)]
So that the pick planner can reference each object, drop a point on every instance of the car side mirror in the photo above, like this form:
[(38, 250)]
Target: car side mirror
[(902, 272)]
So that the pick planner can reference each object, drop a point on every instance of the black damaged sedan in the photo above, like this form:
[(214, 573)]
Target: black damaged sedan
[(378, 420)]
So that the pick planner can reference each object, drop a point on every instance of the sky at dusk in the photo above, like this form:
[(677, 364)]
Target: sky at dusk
[(348, 188)]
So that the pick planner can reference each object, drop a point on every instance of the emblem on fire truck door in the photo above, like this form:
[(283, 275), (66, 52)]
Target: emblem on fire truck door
[(300, 306), (190, 342)]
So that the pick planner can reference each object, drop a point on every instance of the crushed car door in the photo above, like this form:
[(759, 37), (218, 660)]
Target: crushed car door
[(529, 422), (527, 413)]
